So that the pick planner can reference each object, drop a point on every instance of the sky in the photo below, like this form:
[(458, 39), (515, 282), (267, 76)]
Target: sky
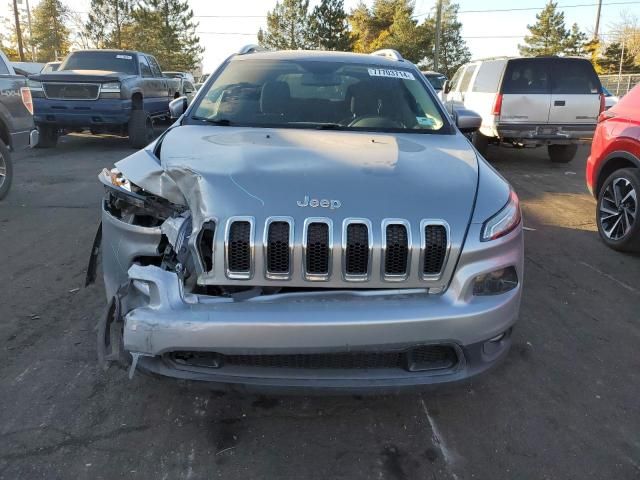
[(225, 26)]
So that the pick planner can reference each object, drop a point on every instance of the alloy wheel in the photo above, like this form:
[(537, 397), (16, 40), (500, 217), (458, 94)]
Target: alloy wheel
[(3, 170), (618, 208)]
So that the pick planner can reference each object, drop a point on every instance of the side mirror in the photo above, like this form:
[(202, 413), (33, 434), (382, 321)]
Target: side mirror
[(467, 121), (177, 107), (446, 87)]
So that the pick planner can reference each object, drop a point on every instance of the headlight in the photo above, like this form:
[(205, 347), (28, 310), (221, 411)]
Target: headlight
[(36, 88), (34, 85), (112, 87), (503, 222)]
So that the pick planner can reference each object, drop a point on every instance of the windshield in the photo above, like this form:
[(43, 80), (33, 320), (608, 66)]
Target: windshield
[(122, 62), (319, 94)]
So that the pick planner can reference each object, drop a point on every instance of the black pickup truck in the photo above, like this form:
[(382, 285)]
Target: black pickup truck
[(112, 91), (16, 120)]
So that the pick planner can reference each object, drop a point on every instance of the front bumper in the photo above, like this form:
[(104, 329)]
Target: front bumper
[(81, 113), (160, 318), (546, 134)]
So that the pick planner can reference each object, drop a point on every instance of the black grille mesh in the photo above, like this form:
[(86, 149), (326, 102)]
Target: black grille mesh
[(278, 248), (435, 249), (420, 358), (395, 261), (239, 250), (357, 254), (71, 91), (318, 249)]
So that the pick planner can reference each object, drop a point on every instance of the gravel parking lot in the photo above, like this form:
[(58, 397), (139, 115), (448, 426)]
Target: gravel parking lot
[(564, 405)]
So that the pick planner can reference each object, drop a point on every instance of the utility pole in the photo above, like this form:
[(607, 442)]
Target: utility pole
[(18, 30), (438, 32), (620, 69), (33, 48), (595, 33)]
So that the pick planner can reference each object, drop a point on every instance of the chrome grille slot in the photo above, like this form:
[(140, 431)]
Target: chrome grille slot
[(434, 249), (357, 250), (397, 250), (278, 248), (317, 249), (239, 247)]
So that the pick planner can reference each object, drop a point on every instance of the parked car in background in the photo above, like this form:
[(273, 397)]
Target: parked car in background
[(115, 91), (613, 173), (609, 99), (17, 130), (314, 220), (529, 102), (201, 81), (437, 81), (186, 82), (51, 67), (185, 75), (27, 68)]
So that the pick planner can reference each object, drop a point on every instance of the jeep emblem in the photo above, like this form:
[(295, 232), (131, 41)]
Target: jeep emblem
[(323, 203)]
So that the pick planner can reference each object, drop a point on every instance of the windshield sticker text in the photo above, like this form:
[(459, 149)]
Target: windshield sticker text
[(124, 57), (383, 72)]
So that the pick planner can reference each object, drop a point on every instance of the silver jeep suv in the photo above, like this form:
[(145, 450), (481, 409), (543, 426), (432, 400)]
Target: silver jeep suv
[(311, 220)]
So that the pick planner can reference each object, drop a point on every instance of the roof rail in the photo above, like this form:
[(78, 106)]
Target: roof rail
[(389, 53), (251, 48)]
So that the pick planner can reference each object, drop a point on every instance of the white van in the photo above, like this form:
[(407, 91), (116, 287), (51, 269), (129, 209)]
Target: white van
[(552, 101)]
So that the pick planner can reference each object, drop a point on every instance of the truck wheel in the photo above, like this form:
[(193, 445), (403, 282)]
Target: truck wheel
[(48, 137), (618, 210), (562, 153), (6, 170), (481, 142), (140, 129)]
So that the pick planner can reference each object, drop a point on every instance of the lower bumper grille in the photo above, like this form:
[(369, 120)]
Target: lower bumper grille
[(422, 358)]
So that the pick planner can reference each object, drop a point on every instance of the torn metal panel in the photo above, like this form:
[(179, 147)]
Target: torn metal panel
[(143, 169)]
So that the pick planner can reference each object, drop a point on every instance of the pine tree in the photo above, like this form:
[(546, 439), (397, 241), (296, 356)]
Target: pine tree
[(576, 42), (50, 34), (165, 29), (453, 49), (329, 29), (287, 26), (548, 35), (107, 23), (610, 61), (389, 24)]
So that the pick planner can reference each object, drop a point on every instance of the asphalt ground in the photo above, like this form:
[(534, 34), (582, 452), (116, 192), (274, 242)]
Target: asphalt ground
[(564, 405)]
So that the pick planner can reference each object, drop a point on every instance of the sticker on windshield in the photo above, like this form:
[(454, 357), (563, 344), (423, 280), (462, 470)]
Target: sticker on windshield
[(425, 121), (125, 57), (384, 72)]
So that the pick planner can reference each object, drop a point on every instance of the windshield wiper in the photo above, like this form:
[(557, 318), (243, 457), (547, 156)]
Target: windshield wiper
[(223, 122)]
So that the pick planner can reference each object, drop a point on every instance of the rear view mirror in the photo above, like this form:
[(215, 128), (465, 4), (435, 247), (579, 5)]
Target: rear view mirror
[(446, 87), (177, 107), (467, 121)]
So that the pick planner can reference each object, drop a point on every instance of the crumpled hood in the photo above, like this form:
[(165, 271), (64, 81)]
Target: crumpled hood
[(226, 171)]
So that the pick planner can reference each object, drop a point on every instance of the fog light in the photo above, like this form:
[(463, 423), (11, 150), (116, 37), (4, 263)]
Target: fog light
[(496, 282)]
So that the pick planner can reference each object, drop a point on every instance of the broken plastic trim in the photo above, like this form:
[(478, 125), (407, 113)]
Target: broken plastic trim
[(92, 268)]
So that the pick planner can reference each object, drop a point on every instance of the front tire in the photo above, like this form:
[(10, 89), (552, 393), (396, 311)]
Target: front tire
[(562, 153), (618, 213), (481, 142), (48, 136), (6, 170), (140, 129)]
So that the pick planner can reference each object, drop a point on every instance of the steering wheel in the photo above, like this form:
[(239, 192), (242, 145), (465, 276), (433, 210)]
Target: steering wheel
[(374, 121)]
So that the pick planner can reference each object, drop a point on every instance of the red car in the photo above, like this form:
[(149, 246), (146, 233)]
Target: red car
[(613, 173)]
